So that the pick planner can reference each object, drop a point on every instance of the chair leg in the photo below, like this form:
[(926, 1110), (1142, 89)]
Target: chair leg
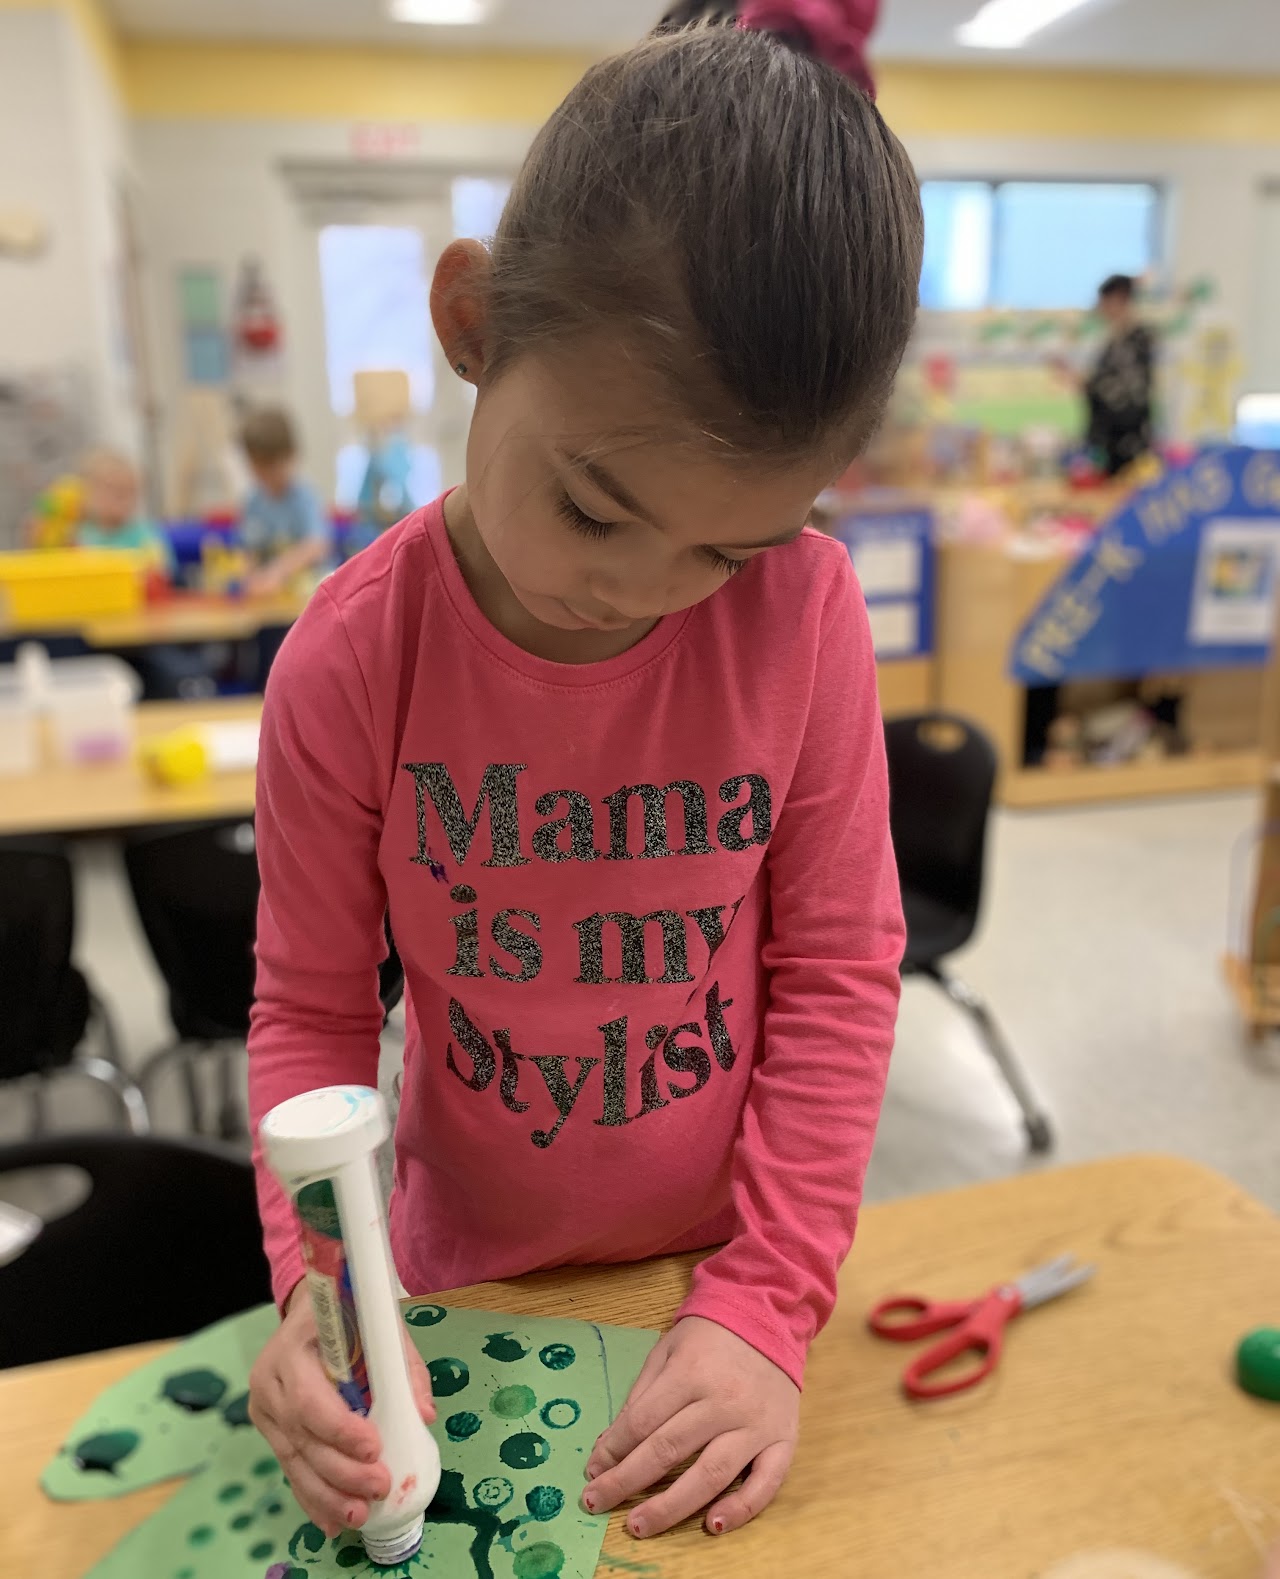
[(130, 1094), (231, 1121), (39, 1106), (106, 1025), (1039, 1131), (190, 1080)]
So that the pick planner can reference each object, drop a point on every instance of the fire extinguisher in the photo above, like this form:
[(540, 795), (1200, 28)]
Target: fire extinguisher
[(256, 323)]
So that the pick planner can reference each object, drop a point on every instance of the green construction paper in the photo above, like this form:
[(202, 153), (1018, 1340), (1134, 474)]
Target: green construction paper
[(521, 1401), (167, 1418)]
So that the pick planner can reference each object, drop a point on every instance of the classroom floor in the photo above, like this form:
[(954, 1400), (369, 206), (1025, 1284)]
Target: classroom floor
[(1099, 953)]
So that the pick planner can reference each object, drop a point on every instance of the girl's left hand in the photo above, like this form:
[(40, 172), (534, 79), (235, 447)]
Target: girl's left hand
[(704, 1393)]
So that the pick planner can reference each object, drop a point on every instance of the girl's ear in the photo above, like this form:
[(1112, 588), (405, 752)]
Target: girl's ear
[(460, 306)]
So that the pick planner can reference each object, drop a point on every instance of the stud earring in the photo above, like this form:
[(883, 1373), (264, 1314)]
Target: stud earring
[(462, 369)]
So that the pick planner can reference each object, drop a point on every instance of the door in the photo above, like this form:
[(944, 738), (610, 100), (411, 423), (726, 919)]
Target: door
[(374, 237)]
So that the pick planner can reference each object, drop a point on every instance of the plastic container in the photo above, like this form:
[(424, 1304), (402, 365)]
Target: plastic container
[(88, 702), (322, 1145), (19, 737), (55, 587)]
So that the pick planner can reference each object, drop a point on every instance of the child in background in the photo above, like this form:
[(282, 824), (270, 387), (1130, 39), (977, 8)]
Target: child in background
[(111, 515), (282, 527), (599, 729)]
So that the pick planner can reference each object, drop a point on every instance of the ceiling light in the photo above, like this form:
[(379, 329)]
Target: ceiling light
[(1008, 24), (440, 13)]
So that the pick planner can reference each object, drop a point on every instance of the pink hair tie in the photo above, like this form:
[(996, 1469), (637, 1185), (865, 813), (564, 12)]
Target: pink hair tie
[(837, 30)]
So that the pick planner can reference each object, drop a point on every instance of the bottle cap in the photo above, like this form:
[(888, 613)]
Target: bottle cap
[(388, 1550), (320, 1131), (1258, 1363)]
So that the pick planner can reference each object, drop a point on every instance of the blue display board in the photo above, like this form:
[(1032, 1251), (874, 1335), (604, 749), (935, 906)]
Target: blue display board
[(1183, 577), (893, 554)]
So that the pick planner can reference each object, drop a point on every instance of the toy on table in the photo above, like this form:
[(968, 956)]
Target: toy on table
[(382, 410), (979, 1325), (192, 754), (57, 514), (224, 567), (1258, 1363)]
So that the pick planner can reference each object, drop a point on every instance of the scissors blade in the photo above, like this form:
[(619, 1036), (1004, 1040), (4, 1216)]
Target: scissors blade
[(1055, 1278)]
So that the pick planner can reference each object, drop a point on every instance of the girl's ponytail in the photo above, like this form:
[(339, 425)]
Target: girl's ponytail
[(836, 31)]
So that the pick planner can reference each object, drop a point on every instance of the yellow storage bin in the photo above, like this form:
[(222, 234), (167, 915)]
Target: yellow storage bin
[(46, 589)]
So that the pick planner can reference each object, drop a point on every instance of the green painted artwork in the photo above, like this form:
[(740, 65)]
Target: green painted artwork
[(168, 1418), (526, 1400)]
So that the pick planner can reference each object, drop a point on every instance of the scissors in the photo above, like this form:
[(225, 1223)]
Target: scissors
[(979, 1325)]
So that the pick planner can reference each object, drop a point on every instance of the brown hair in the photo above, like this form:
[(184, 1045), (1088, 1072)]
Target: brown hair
[(739, 213), (267, 436)]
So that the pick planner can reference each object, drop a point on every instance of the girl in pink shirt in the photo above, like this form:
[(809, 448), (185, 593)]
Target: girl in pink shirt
[(599, 732)]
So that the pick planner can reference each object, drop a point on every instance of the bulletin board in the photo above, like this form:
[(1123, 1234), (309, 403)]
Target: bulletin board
[(893, 554)]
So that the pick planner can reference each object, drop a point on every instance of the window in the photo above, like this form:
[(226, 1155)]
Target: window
[(1033, 244), (374, 283), (477, 205)]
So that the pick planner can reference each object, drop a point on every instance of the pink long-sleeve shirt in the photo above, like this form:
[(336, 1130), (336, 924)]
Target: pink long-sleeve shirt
[(648, 914)]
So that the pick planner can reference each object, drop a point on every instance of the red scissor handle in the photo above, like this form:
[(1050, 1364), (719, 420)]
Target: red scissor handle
[(981, 1334), (907, 1317)]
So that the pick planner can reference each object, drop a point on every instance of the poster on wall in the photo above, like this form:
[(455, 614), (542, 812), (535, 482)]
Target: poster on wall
[(892, 553), (1235, 585)]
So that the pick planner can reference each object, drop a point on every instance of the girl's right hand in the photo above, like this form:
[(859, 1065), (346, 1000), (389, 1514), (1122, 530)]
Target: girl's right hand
[(330, 1455)]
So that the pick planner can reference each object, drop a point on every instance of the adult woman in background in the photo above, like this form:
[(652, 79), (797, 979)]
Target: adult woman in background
[(1119, 390)]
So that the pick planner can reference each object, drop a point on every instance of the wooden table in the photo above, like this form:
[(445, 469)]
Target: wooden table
[(61, 799), (1113, 1421), (187, 618)]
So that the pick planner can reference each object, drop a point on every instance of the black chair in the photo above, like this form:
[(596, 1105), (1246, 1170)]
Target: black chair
[(167, 1241), (196, 893), (941, 774), (46, 1007)]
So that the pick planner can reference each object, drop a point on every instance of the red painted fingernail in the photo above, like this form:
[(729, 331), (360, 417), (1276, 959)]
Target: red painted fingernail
[(717, 1526), (637, 1527), (588, 1502)]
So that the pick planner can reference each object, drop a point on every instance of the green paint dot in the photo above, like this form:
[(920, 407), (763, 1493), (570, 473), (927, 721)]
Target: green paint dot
[(237, 1411), (262, 1550), (425, 1315), (307, 1536), (505, 1347), (560, 1414), (525, 1450), (273, 1508), (494, 1492), (350, 1557), (461, 1426), (105, 1451), (185, 1573), (513, 1403), (242, 1521), (231, 1493), (447, 1377), (542, 1560), (265, 1466), (545, 1503), (201, 1535), (557, 1356), (194, 1391)]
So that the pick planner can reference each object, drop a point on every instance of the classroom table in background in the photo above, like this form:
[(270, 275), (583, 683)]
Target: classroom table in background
[(184, 618), (1112, 1422), (188, 619), (57, 798)]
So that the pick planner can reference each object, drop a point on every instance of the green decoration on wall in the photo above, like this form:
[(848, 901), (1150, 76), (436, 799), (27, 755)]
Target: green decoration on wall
[(529, 1409)]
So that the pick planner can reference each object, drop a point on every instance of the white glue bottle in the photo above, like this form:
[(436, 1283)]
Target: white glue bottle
[(321, 1145)]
